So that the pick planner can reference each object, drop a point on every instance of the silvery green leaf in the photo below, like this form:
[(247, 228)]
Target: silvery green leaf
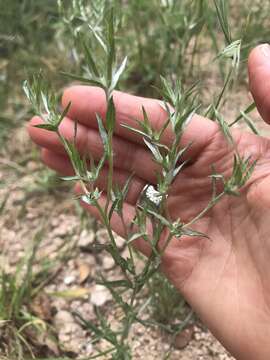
[(159, 217), (250, 107), (90, 60), (127, 186), (249, 172), (250, 123), (222, 14), (110, 47), (145, 124), (91, 198), (224, 127), (217, 176), (102, 132), (168, 92), (70, 178), (154, 150), (27, 90), (46, 105), (117, 74), (115, 283), (231, 190), (135, 236), (139, 132), (178, 169), (110, 116), (99, 38), (92, 81), (49, 127), (64, 113), (74, 156), (190, 232), (232, 51), (182, 151), (182, 121), (189, 118), (100, 164)]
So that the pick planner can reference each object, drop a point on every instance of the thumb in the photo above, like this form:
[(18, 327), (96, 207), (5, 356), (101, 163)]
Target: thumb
[(259, 79)]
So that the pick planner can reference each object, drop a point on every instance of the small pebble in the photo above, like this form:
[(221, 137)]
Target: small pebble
[(68, 280), (100, 295)]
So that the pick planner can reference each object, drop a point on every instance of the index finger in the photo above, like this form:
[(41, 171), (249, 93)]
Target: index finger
[(87, 101)]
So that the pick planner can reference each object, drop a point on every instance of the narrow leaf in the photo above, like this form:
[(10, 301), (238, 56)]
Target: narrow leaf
[(94, 82), (117, 74), (102, 132), (154, 150), (49, 127)]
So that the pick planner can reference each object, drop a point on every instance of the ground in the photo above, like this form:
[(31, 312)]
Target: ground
[(72, 286)]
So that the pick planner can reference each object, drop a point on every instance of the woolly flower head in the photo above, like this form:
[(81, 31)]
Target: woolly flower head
[(153, 195)]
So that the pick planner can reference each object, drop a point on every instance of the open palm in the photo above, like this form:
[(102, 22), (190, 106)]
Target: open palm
[(225, 278)]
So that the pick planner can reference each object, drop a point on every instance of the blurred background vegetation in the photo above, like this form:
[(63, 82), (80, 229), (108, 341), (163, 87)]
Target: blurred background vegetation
[(173, 38)]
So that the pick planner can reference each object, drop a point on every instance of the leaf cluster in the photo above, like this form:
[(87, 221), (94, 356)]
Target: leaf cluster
[(44, 103)]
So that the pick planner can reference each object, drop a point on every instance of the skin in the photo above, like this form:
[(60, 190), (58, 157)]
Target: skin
[(226, 279)]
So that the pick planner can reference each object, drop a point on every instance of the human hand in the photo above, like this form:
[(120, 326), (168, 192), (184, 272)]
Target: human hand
[(225, 279)]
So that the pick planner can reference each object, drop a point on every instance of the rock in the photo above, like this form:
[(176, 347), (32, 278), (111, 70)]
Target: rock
[(19, 197), (50, 250), (103, 238), (41, 306), (100, 295), (70, 279), (62, 318), (166, 347), (70, 328), (86, 239), (88, 349), (88, 311), (59, 303), (70, 334), (31, 215), (139, 330), (84, 271), (60, 231), (63, 225), (120, 242), (32, 165), (183, 338), (107, 262)]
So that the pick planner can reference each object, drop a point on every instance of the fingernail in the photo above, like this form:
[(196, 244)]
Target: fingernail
[(265, 48)]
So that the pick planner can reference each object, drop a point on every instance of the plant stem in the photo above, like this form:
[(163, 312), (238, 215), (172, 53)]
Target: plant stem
[(110, 174), (205, 210)]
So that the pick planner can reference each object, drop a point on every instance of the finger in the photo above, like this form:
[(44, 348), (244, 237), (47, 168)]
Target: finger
[(259, 79), (86, 101), (62, 165), (116, 222), (127, 156), (57, 162)]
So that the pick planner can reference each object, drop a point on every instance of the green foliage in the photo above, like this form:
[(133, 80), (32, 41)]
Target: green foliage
[(222, 14), (23, 329), (26, 28), (16, 292)]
